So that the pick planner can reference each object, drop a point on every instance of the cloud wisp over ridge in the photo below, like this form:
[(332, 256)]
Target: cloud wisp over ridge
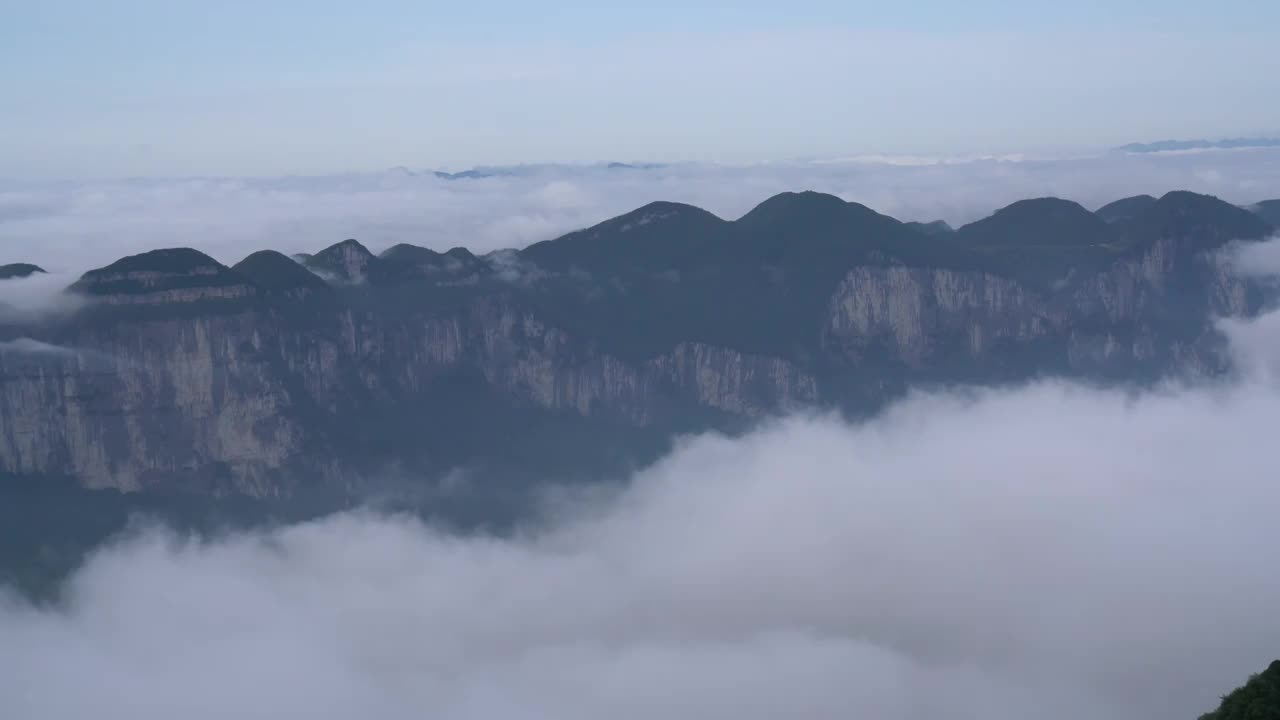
[(28, 346), (1050, 550), (38, 297)]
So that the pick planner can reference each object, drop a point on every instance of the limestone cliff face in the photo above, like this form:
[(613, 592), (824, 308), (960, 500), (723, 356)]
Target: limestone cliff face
[(912, 313), (1116, 317), (550, 368), (749, 385), (186, 402), (241, 401)]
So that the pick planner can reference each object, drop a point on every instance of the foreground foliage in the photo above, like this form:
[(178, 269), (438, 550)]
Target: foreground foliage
[(1258, 699)]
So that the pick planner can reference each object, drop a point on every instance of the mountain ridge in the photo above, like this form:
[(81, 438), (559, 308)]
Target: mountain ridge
[(349, 260), (278, 375)]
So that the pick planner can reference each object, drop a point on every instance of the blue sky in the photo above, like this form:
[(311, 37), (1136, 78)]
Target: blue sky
[(186, 88)]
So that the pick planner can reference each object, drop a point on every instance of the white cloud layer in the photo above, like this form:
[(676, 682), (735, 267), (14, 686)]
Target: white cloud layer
[(1049, 551), (73, 226)]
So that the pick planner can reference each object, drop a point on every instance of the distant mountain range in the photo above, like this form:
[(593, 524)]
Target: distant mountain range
[(519, 170), (1229, 144)]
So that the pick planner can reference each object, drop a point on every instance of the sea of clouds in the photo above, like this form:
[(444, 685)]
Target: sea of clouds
[(1050, 550)]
